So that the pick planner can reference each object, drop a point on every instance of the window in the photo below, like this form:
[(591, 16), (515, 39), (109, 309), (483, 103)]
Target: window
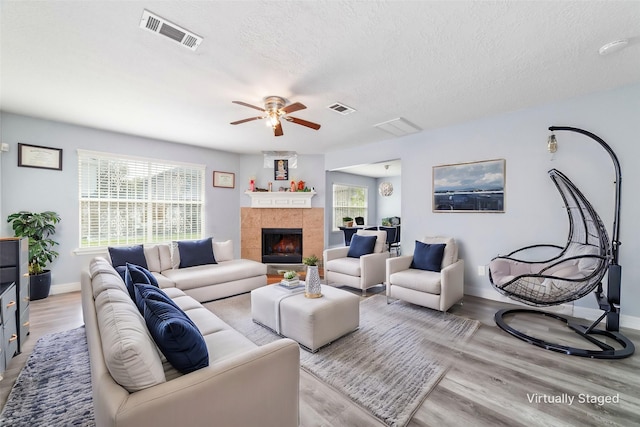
[(348, 200), (127, 200)]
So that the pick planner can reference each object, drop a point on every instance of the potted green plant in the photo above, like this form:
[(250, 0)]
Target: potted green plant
[(291, 279), (347, 221), (38, 227), (312, 288)]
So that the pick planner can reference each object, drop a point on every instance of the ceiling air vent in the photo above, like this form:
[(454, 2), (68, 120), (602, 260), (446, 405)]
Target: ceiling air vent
[(158, 25), (398, 127), (341, 108)]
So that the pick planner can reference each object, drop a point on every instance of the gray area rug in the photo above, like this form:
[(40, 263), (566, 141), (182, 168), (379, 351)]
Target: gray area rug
[(54, 387), (388, 366)]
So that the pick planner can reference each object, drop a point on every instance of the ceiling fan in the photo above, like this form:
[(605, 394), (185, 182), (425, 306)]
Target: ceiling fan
[(275, 111)]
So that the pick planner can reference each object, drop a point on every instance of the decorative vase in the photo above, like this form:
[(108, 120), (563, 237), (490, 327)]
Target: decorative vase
[(312, 282)]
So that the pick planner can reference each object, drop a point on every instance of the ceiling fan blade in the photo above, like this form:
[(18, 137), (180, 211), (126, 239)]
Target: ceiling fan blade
[(303, 122), (248, 105), (293, 107), (247, 120), (277, 129)]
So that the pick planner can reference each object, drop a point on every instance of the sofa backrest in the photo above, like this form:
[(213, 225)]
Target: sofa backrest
[(450, 250)]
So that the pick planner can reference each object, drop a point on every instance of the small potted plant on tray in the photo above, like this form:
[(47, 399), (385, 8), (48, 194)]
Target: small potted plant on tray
[(290, 279)]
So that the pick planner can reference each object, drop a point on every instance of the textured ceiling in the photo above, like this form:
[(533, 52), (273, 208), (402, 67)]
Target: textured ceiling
[(432, 63)]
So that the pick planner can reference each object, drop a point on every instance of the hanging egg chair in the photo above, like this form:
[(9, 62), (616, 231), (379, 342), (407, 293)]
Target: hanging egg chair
[(573, 271)]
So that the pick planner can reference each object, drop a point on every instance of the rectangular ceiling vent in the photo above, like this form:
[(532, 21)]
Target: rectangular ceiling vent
[(398, 127), (341, 108), (158, 25)]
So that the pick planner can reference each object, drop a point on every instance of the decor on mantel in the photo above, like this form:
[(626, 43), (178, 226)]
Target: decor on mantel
[(312, 288), (280, 199), (281, 170)]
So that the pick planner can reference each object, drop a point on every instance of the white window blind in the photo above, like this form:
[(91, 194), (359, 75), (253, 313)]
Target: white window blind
[(348, 200), (127, 200)]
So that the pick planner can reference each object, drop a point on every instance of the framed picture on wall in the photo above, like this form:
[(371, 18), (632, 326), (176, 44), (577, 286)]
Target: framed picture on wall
[(469, 187), (281, 170), (36, 156), (224, 179)]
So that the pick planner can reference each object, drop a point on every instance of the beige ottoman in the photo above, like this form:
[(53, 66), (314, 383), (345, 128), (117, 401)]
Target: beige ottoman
[(312, 322)]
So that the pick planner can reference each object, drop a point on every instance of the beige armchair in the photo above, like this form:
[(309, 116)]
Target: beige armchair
[(436, 290), (360, 273)]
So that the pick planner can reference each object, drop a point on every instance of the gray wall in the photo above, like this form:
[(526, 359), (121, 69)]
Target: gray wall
[(38, 189), (534, 212)]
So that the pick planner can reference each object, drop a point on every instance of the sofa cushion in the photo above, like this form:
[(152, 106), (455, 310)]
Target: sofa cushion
[(418, 280), (152, 255), (348, 266), (121, 255), (223, 251), (361, 245), (129, 352), (212, 274), (196, 252), (175, 334), (428, 256)]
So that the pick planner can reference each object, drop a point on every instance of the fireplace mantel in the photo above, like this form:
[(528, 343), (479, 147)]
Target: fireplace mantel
[(280, 199)]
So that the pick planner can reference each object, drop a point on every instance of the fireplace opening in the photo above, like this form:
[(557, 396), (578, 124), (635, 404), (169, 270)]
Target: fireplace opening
[(282, 245)]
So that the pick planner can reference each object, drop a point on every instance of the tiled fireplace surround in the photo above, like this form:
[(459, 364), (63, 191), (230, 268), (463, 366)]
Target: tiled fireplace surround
[(253, 220)]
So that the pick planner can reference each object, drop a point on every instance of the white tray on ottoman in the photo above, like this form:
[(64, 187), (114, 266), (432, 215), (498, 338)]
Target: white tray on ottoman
[(312, 322)]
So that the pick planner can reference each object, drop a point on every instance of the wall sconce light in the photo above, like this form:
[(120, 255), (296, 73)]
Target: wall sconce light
[(552, 144)]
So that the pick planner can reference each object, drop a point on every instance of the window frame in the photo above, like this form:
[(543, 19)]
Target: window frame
[(150, 205), (337, 221)]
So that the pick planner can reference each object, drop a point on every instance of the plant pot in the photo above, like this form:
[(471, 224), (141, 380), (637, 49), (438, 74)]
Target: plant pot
[(348, 223), (39, 285)]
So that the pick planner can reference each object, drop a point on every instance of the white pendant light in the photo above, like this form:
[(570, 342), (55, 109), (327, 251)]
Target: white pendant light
[(385, 188)]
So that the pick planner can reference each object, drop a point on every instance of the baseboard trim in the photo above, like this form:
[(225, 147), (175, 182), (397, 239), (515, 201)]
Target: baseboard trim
[(626, 321), (64, 288)]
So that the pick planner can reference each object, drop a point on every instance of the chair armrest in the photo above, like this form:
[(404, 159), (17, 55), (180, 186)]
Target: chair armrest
[(452, 285), (334, 253), (372, 268), (398, 264)]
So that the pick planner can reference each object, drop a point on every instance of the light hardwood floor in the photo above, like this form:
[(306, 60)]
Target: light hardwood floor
[(495, 379)]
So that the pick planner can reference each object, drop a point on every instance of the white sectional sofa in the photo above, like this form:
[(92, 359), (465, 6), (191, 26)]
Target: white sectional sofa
[(133, 384), (205, 282)]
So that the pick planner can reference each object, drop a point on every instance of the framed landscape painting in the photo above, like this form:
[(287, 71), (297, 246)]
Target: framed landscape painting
[(469, 187)]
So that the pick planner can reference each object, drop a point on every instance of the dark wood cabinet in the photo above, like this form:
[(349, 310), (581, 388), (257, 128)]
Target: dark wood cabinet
[(14, 267), (8, 326)]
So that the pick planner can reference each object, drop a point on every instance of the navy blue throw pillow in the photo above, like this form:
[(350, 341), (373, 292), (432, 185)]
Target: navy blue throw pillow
[(144, 291), (428, 256), (361, 245), (135, 274), (196, 252), (175, 335), (120, 256)]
